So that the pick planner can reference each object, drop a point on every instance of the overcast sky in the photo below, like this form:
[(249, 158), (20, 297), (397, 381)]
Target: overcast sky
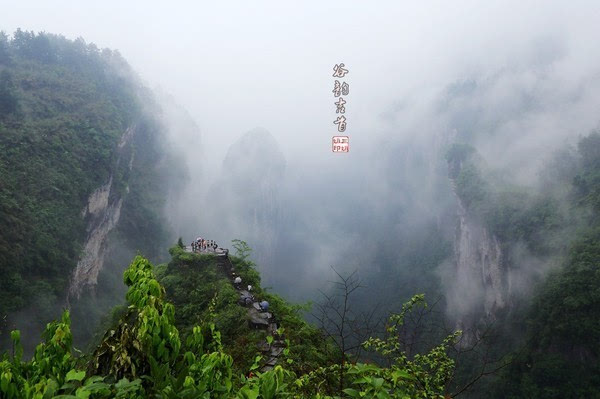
[(238, 65)]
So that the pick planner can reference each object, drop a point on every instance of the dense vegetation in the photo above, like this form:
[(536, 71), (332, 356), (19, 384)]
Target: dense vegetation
[(64, 105), (560, 358), (200, 290), (553, 338), (62, 116), (513, 214), (151, 351)]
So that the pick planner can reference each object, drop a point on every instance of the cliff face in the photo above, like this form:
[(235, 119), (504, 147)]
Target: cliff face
[(103, 220), (478, 283), (479, 287), (102, 214)]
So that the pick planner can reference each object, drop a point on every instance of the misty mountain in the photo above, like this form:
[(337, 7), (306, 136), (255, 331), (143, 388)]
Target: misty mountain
[(245, 201), (463, 221), (86, 170)]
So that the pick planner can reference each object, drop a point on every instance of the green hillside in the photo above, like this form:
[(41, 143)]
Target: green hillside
[(188, 338), (549, 338), (200, 289), (561, 351), (64, 108)]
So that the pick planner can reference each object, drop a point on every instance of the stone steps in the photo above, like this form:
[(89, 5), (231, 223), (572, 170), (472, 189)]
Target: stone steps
[(256, 318)]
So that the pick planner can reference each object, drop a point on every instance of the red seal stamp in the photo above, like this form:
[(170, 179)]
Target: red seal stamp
[(340, 144)]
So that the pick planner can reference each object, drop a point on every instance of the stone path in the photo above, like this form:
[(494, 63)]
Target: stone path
[(256, 318)]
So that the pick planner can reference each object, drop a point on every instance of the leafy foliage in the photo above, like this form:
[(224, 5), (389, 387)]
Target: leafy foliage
[(242, 249), (428, 373), (144, 356)]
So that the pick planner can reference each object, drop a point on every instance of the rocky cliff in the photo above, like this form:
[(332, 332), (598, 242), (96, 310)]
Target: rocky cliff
[(479, 279), (102, 213), (478, 283)]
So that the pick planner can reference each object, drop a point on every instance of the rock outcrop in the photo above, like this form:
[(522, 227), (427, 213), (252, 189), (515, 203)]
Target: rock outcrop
[(477, 283), (479, 279), (102, 213)]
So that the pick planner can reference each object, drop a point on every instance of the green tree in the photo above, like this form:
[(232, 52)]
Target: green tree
[(242, 249), (8, 98), (143, 356), (4, 49)]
